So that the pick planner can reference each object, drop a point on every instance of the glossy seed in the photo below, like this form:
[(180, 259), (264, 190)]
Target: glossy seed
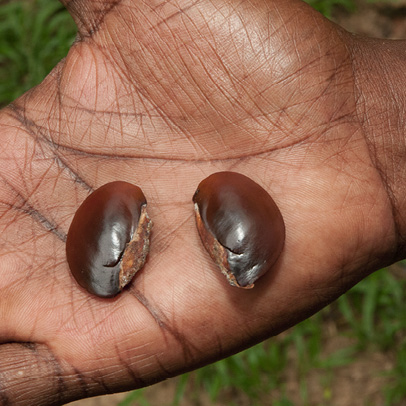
[(108, 240), (240, 226)]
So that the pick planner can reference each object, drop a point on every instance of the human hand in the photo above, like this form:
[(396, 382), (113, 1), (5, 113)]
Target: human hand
[(162, 94)]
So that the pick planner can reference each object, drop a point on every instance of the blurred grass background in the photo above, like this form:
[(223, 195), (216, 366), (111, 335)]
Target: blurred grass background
[(364, 332)]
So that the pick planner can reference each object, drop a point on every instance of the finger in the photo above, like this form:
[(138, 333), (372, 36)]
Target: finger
[(31, 375)]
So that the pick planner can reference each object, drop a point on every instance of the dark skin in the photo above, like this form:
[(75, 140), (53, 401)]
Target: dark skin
[(162, 94)]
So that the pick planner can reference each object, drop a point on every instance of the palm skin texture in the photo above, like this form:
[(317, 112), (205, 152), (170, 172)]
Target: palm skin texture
[(162, 94)]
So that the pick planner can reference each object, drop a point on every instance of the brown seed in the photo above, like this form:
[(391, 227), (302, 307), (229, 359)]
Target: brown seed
[(240, 226), (108, 240)]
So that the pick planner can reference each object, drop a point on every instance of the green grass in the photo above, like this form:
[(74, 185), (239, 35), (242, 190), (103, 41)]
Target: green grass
[(34, 36), (326, 7)]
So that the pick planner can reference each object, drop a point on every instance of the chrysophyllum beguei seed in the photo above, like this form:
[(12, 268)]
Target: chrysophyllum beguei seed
[(108, 240), (240, 226)]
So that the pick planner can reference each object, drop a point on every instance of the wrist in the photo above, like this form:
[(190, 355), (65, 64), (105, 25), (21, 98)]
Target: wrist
[(380, 91)]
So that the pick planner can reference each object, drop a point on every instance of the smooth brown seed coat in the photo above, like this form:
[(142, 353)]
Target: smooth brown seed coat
[(240, 226), (108, 240)]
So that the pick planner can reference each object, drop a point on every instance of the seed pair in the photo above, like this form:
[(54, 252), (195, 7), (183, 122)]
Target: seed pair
[(239, 224)]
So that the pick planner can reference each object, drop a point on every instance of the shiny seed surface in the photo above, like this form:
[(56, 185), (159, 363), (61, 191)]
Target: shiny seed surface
[(108, 240), (240, 226)]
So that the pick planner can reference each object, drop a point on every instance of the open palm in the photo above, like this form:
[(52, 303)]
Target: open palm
[(162, 94)]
